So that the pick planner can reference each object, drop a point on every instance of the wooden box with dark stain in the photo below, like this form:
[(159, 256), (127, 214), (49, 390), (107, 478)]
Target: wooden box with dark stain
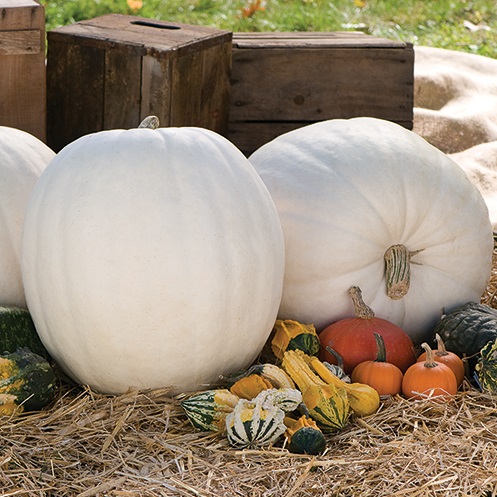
[(22, 66), (282, 81), (112, 71)]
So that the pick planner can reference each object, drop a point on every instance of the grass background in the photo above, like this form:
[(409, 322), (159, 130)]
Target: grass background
[(469, 26)]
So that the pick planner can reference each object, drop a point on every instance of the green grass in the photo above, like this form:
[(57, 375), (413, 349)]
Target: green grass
[(465, 25)]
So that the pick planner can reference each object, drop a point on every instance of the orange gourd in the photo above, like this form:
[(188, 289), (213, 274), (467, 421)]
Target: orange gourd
[(384, 377), (429, 379), (448, 358)]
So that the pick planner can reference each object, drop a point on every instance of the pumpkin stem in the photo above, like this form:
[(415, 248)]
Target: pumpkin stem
[(398, 270), (429, 361), (381, 355), (151, 122), (361, 309), (441, 350)]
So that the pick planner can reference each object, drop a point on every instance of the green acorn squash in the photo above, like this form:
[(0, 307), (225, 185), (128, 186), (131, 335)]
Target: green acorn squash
[(466, 329), (304, 436), (27, 382)]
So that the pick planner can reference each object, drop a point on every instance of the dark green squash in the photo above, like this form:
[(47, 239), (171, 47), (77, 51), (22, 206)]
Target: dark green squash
[(27, 381), (18, 330), (304, 436), (466, 329)]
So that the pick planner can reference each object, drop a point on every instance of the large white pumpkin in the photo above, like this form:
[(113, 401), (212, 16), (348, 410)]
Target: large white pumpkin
[(23, 157), (152, 258), (348, 190)]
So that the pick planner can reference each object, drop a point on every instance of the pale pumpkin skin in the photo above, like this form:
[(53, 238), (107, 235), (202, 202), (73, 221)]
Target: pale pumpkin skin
[(152, 258), (346, 191), (23, 157)]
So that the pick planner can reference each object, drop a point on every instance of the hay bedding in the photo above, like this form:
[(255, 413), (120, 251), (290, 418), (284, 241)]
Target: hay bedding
[(141, 444)]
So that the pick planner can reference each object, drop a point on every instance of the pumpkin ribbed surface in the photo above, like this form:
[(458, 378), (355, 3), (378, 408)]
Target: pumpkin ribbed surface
[(358, 196), (23, 157), (152, 258)]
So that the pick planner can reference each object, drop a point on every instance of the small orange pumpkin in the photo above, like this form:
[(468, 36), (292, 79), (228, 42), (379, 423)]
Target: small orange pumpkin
[(384, 377), (448, 358), (429, 379)]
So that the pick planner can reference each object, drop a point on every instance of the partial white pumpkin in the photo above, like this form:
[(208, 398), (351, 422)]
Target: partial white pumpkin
[(23, 157), (152, 258), (348, 190)]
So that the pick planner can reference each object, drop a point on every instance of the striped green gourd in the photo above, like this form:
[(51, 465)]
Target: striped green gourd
[(260, 422), (207, 410)]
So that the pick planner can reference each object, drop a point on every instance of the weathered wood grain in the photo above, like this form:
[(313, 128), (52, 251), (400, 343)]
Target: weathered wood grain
[(22, 66), (286, 80), (178, 72)]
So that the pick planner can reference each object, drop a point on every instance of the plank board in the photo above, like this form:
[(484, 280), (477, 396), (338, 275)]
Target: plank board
[(22, 66), (282, 81), (74, 109)]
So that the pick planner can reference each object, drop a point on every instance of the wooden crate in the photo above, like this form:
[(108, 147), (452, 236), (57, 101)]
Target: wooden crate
[(282, 81), (22, 66), (113, 71)]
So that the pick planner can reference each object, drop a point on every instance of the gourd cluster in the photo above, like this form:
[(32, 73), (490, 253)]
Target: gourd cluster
[(299, 398)]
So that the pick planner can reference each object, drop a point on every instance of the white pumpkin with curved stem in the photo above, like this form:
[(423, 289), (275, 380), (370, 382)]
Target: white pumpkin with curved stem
[(23, 157), (349, 190), (152, 258)]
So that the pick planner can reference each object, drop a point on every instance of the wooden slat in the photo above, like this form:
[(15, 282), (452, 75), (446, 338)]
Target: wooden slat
[(309, 84), (22, 66), (22, 42), (156, 91), (348, 39), (122, 90), (201, 86), (75, 93), (216, 88), (21, 14)]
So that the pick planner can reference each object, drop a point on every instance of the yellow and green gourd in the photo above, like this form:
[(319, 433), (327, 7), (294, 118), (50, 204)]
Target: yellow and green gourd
[(27, 382), (326, 403), (292, 335)]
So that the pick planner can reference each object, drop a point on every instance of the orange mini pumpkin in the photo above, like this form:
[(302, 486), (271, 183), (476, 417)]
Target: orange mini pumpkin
[(429, 379), (448, 358), (384, 377)]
